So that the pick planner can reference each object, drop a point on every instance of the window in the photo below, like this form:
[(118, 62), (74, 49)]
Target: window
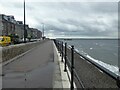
[(1, 39)]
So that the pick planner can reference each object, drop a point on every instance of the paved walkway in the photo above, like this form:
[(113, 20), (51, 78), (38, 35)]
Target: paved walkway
[(61, 79), (33, 70)]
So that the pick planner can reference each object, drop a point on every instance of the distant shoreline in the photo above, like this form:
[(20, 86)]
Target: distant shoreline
[(89, 38)]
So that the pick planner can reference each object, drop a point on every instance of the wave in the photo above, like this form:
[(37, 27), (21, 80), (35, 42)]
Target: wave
[(112, 68), (76, 50), (81, 52), (91, 48), (69, 46)]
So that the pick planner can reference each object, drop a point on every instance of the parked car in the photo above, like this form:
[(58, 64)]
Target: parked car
[(5, 40)]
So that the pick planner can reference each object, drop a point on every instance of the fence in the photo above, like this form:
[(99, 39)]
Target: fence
[(62, 48)]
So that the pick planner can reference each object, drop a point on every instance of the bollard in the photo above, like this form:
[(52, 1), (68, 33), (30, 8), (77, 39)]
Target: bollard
[(72, 67), (65, 58), (62, 52), (118, 81)]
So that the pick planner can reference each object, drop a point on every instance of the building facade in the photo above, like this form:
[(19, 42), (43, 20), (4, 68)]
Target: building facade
[(19, 29), (9, 26), (35, 33)]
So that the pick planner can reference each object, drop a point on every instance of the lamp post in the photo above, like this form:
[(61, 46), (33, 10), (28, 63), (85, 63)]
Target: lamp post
[(43, 30), (24, 25)]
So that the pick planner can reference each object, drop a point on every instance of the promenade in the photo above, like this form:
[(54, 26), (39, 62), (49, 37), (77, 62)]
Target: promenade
[(41, 67), (36, 69)]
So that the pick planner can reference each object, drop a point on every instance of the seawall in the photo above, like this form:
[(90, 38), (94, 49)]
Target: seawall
[(12, 51), (90, 75)]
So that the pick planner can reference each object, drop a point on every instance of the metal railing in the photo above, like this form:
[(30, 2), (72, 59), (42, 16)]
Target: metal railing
[(62, 48)]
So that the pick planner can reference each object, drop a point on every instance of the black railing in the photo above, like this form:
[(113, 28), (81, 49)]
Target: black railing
[(62, 48)]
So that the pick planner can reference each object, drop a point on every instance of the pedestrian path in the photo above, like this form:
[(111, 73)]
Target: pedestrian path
[(61, 79), (39, 68), (33, 70)]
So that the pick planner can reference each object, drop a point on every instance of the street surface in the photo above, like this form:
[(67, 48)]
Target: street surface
[(33, 70)]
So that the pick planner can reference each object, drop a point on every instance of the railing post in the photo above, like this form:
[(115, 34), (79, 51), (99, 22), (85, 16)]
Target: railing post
[(57, 43), (54, 41), (65, 57), (118, 81), (60, 48), (62, 52), (72, 67)]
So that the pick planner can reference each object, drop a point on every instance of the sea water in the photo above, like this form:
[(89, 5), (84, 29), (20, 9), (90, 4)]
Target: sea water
[(102, 51)]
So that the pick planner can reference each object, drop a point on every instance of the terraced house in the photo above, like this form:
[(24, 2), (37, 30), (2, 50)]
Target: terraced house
[(9, 26)]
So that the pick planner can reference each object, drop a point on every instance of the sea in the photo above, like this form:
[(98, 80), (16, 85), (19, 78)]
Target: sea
[(102, 51)]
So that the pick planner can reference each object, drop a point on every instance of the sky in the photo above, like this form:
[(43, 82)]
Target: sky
[(84, 19)]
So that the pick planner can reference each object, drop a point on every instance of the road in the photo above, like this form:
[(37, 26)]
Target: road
[(33, 70)]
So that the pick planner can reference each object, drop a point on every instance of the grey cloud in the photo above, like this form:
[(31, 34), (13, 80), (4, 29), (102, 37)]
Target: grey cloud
[(73, 18), (105, 7)]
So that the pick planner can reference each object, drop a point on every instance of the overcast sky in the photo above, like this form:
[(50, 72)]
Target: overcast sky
[(67, 19)]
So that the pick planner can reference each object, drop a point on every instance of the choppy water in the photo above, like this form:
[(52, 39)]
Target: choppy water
[(102, 51)]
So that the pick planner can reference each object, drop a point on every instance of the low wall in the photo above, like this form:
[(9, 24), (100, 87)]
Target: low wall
[(10, 52)]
